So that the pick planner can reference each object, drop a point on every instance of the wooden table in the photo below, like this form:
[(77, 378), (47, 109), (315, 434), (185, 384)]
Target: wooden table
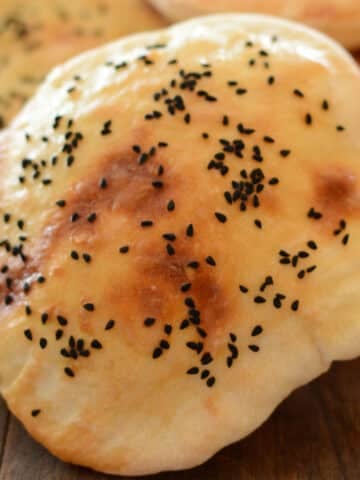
[(314, 434)]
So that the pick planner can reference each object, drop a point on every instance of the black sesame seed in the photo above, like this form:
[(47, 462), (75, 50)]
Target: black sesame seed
[(274, 181), (298, 93), (28, 334), (64, 353), (233, 350), (253, 348), (189, 302), (241, 91), (157, 353), (171, 205), (92, 217), (206, 358), (20, 224), (148, 322), (345, 239), (168, 329), (190, 230), (170, 249), (90, 307), (193, 371), (243, 289), (74, 255), (58, 334), (62, 320), (256, 330), (87, 257), (308, 119), (221, 217), (193, 264), (233, 337), (210, 261), (258, 223), (295, 305), (185, 287), (184, 324), (110, 324), (103, 183), (69, 372), (147, 223), (259, 299), (36, 412), (225, 120), (9, 300), (210, 382), (285, 153), (61, 203), (164, 344), (192, 345), (124, 249), (204, 374), (43, 343), (311, 244), (96, 345)]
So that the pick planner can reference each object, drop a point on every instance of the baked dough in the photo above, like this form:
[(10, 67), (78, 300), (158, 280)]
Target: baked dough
[(338, 18), (181, 227), (35, 35)]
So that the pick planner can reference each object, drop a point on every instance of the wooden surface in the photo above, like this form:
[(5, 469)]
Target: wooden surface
[(314, 434)]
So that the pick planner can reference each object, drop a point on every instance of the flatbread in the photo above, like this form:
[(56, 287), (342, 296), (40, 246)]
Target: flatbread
[(337, 18), (35, 35), (181, 227)]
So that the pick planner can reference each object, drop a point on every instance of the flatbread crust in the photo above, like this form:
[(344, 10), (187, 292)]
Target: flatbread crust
[(38, 34), (338, 18), (180, 240)]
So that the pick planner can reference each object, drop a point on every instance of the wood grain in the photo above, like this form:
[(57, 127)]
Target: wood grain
[(313, 435)]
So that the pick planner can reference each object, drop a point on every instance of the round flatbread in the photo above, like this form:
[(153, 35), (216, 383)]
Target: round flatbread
[(38, 34), (180, 240), (338, 18)]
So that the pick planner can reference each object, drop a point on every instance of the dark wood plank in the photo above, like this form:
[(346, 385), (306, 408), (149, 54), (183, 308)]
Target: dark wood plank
[(313, 435), (4, 422)]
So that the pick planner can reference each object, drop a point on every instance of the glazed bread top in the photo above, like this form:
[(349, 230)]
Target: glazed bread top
[(38, 34), (180, 230)]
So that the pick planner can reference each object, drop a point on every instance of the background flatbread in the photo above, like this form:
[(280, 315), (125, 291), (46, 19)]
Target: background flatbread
[(337, 18), (35, 35)]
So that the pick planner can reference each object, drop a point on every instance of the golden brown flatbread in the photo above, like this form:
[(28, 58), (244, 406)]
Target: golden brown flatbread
[(180, 225), (338, 18), (35, 35)]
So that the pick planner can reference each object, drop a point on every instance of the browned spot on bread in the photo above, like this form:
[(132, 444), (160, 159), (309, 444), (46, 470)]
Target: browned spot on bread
[(336, 193), (153, 289), (24, 272), (129, 191)]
